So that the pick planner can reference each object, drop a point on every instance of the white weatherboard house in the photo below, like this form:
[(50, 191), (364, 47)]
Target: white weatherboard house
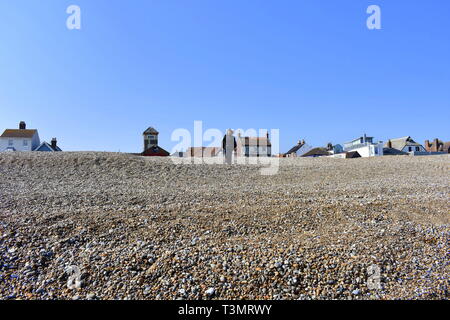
[(21, 139), (365, 147)]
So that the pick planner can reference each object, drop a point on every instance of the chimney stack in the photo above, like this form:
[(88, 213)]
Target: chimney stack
[(427, 145), (22, 125), (54, 142), (389, 144), (436, 145), (329, 146)]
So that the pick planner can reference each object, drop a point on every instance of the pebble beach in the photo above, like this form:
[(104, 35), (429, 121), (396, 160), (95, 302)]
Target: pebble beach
[(147, 228)]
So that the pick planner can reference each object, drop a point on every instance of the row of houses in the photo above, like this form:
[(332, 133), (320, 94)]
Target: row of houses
[(23, 139), (365, 146), (247, 146), (242, 146)]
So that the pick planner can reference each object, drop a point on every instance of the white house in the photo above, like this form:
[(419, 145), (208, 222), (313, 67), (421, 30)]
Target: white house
[(21, 139), (365, 147), (253, 146)]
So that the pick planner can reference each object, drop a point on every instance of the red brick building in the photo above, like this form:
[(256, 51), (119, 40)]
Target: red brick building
[(437, 146)]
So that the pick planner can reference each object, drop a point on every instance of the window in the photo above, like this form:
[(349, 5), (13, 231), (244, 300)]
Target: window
[(417, 149), (10, 142), (410, 149), (25, 143)]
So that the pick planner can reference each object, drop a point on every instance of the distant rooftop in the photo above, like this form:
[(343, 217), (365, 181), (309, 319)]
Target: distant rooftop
[(18, 133)]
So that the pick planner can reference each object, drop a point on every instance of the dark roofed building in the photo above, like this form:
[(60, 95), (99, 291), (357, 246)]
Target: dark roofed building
[(352, 155), (393, 152), (151, 148), (155, 152), (295, 148), (317, 152), (48, 147), (298, 150)]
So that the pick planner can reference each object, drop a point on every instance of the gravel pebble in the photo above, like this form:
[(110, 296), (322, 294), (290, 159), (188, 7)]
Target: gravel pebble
[(145, 228)]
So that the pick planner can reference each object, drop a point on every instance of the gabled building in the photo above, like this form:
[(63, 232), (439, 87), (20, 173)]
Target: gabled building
[(151, 148), (46, 147), (21, 139), (298, 150), (253, 146), (404, 144)]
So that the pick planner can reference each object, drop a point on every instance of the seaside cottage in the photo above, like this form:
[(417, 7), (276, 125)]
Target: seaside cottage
[(21, 139), (46, 147), (404, 144), (298, 150), (253, 146)]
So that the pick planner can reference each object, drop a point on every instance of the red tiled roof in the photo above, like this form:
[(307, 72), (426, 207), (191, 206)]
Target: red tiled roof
[(155, 152), (256, 141), (18, 133)]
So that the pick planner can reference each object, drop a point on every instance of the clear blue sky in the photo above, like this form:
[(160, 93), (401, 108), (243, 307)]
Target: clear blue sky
[(310, 68)]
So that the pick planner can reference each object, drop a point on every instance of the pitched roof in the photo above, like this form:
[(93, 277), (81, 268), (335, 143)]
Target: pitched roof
[(255, 141), (156, 152), (18, 133), (295, 148), (400, 143), (352, 154), (151, 130), (317, 152), (393, 152), (203, 151), (44, 145)]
